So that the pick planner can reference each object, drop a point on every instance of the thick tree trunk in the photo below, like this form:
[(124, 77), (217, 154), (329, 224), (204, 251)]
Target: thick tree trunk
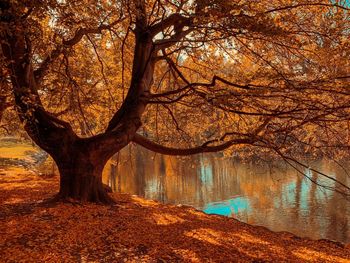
[(81, 177), (80, 160)]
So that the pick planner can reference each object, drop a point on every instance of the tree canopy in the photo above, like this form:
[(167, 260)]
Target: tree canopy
[(177, 77)]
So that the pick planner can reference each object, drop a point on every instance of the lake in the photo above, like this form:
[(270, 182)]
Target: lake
[(276, 197)]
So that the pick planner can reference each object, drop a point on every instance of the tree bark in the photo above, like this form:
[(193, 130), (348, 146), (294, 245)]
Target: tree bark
[(81, 175)]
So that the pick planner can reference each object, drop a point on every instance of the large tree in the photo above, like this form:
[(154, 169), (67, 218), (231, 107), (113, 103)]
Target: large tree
[(202, 75)]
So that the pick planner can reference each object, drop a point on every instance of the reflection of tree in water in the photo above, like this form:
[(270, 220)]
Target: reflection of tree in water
[(281, 200), (161, 182), (140, 181), (298, 195), (113, 178), (339, 214)]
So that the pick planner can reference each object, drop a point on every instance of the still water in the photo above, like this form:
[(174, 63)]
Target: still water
[(276, 197)]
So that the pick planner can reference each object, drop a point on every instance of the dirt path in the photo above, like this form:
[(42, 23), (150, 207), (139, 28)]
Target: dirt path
[(135, 230)]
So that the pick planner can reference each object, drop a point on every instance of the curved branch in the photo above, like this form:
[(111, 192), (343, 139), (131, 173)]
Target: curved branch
[(156, 147)]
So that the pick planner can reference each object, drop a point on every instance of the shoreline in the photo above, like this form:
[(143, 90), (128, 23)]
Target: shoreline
[(136, 230), (335, 242)]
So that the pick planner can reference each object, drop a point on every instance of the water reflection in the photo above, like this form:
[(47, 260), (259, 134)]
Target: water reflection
[(277, 198), (231, 207)]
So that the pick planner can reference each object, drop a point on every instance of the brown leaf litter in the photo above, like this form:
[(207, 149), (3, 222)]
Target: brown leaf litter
[(135, 230)]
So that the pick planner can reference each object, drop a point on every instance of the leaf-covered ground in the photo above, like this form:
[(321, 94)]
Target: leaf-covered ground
[(135, 230)]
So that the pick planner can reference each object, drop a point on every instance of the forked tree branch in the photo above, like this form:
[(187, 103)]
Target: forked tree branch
[(171, 20)]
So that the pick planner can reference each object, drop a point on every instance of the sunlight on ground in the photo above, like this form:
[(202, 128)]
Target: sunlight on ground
[(167, 219), (205, 234), (198, 213), (19, 178), (13, 200), (19, 185), (144, 202), (250, 239), (277, 249), (316, 256)]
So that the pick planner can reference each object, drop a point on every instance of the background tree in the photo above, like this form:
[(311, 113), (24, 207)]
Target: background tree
[(89, 77)]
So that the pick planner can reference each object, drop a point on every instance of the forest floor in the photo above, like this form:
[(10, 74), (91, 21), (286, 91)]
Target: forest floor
[(135, 230)]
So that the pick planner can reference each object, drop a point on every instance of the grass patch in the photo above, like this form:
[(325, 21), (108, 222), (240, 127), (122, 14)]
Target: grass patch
[(16, 149)]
